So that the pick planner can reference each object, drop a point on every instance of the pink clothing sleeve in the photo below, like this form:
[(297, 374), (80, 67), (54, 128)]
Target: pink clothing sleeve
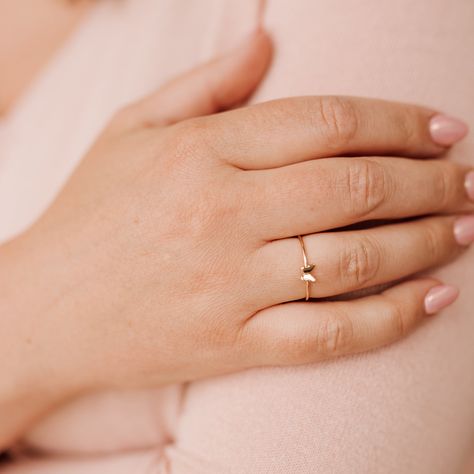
[(408, 408)]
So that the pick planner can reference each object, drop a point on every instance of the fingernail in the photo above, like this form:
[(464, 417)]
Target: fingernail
[(439, 297), (464, 230), (446, 130), (469, 185)]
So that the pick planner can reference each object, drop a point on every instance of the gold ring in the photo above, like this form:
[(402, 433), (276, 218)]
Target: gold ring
[(306, 269)]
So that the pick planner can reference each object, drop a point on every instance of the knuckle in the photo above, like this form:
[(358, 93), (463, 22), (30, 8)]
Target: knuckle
[(338, 120), (367, 186), (399, 320), (189, 140), (360, 262), (335, 336), (203, 216), (297, 350), (444, 185), (432, 238), (408, 128)]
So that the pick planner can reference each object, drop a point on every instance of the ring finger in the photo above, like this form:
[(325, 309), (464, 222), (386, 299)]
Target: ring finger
[(351, 260)]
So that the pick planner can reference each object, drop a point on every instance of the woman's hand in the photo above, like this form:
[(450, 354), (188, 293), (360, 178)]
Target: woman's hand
[(171, 253)]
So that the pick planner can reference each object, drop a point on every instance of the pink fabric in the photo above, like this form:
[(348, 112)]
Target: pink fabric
[(408, 408)]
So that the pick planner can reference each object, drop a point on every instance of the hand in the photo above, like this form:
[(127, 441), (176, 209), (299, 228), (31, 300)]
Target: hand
[(171, 253), (36, 375)]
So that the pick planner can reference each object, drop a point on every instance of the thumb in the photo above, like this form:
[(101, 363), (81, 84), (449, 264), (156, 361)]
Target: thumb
[(209, 88)]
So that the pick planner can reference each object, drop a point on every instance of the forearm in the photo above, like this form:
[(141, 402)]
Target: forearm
[(33, 380)]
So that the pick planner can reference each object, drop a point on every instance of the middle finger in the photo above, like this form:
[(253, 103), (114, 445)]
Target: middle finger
[(335, 192)]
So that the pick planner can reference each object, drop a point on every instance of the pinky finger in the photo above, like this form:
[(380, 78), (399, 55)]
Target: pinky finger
[(300, 332)]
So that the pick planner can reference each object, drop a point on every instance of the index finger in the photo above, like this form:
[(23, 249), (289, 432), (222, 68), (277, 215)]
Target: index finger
[(286, 131)]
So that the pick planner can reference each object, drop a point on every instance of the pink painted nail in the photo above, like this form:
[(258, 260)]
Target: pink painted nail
[(439, 297), (447, 130), (469, 184), (464, 230)]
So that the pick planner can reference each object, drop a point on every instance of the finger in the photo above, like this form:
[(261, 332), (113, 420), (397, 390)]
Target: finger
[(329, 193), (286, 131), (299, 333), (351, 260), (209, 88)]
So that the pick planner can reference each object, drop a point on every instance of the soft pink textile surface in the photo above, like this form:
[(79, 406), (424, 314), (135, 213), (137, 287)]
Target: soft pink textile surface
[(405, 409)]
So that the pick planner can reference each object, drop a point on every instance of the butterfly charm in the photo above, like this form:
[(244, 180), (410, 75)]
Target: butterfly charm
[(306, 273)]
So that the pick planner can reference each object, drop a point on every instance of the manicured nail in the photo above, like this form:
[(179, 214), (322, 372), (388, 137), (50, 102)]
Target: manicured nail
[(464, 230), (439, 297), (447, 130), (469, 185)]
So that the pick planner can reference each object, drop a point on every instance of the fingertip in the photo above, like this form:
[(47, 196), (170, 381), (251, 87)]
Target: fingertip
[(243, 70), (256, 49), (431, 294), (439, 297), (261, 55), (446, 130), (263, 38), (259, 37)]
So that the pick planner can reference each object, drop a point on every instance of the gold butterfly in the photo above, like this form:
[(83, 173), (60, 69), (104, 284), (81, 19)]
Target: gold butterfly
[(306, 273)]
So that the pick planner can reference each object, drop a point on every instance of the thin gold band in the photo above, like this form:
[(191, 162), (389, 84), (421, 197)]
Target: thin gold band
[(306, 269)]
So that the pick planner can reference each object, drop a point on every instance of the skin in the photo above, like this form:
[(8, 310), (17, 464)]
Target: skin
[(143, 272)]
